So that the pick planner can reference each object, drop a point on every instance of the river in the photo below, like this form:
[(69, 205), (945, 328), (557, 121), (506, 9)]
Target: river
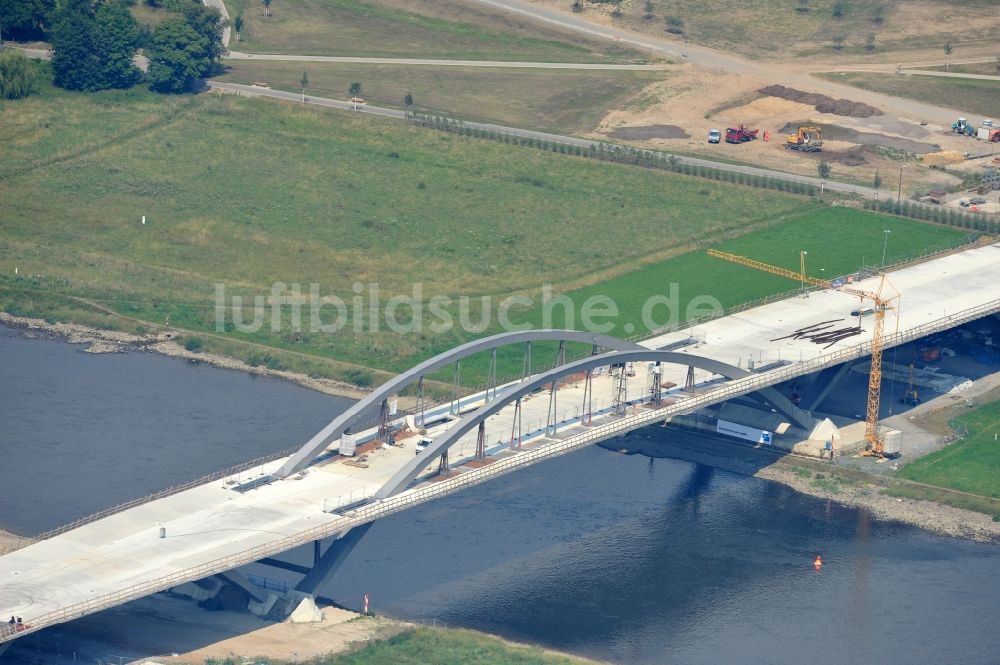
[(605, 555)]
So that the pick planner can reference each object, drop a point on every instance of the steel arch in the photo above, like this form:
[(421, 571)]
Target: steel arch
[(412, 469), (373, 401)]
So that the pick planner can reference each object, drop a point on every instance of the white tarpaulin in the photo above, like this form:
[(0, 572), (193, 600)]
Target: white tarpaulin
[(743, 432)]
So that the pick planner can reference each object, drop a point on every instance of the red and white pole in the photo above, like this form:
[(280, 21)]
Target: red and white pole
[(366, 603)]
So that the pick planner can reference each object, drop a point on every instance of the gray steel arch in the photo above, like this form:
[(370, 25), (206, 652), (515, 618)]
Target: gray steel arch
[(372, 402), (408, 473)]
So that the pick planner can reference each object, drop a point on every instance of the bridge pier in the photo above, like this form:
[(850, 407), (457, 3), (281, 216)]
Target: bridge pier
[(515, 428), (330, 560)]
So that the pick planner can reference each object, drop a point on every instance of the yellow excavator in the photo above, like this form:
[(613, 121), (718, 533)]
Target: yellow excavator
[(807, 139)]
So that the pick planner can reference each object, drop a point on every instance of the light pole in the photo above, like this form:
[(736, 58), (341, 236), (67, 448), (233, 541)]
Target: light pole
[(802, 268), (885, 242)]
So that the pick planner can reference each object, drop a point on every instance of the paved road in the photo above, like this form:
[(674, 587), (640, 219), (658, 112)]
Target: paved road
[(254, 91), (514, 64), (921, 72), (712, 59)]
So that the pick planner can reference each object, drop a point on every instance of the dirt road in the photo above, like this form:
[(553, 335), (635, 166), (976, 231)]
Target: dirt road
[(716, 60)]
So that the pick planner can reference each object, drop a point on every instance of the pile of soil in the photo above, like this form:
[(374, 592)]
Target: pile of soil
[(650, 132), (822, 103), (838, 133)]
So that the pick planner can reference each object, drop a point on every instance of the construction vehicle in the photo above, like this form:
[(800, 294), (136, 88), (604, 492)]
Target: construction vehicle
[(875, 443), (964, 127), (740, 134), (807, 139)]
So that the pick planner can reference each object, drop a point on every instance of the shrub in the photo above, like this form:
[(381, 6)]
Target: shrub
[(17, 79), (193, 344)]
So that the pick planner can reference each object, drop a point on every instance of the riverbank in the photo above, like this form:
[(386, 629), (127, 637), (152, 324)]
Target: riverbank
[(113, 341), (844, 485)]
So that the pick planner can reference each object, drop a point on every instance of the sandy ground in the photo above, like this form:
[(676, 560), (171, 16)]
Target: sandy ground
[(339, 631), (696, 100)]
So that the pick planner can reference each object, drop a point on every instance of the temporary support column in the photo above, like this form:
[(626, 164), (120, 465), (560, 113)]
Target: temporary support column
[(456, 386), (331, 559), (515, 428), (443, 467), (552, 419), (621, 391), (561, 357), (689, 381), (655, 389), (383, 419), (491, 387), (587, 412), (481, 442), (421, 402)]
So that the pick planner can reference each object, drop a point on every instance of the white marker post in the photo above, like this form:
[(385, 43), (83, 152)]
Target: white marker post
[(143, 220)]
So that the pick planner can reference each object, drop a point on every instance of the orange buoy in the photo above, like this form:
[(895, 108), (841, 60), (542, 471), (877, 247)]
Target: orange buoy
[(818, 562)]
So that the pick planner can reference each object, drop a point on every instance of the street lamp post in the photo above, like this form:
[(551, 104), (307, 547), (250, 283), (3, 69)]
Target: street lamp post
[(885, 243)]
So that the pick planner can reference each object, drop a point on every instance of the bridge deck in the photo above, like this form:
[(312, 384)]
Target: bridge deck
[(92, 563)]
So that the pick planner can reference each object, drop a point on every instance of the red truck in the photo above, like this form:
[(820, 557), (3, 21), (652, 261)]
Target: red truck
[(740, 134)]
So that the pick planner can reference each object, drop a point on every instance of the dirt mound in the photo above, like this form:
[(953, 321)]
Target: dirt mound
[(650, 132), (822, 103), (944, 158), (838, 133)]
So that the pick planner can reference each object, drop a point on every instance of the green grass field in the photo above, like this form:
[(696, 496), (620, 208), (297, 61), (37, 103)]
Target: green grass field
[(971, 464), (970, 95), (396, 28), (558, 100), (251, 192)]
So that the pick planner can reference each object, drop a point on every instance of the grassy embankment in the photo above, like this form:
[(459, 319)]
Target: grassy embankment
[(393, 28), (554, 100), (972, 95), (971, 464), (437, 646), (252, 192)]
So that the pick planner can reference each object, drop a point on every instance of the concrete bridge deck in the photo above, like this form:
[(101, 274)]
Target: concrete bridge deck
[(213, 528)]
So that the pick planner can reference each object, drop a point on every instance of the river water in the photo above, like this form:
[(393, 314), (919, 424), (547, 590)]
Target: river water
[(610, 556)]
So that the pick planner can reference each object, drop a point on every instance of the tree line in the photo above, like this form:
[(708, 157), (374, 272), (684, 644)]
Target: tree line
[(94, 42)]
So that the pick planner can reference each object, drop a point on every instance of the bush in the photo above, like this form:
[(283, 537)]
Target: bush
[(193, 344), (17, 79)]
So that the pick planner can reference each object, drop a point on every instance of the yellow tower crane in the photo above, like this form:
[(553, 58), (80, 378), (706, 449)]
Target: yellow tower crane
[(876, 444)]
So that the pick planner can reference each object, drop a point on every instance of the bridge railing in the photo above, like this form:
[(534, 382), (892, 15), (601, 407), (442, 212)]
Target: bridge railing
[(132, 503), (339, 524)]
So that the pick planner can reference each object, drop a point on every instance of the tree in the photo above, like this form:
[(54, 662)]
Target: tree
[(408, 102), (116, 39), (17, 79), (93, 48), (26, 19), (207, 22), (877, 182), (839, 8), (238, 26), (870, 42), (304, 82), (355, 89), (878, 14), (823, 169), (947, 55), (647, 9), (675, 25), (176, 56), (577, 6), (267, 7), (803, 7), (838, 42)]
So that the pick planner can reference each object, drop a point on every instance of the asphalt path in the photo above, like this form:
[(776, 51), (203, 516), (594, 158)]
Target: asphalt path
[(513, 64), (255, 91)]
